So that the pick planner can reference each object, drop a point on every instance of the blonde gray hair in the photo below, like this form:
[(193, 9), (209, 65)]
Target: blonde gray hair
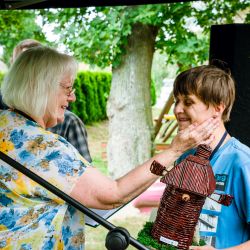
[(34, 77)]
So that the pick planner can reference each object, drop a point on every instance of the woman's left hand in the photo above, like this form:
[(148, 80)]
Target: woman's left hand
[(194, 135)]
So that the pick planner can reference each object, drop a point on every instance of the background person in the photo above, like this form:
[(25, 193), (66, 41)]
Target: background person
[(200, 93), (30, 216)]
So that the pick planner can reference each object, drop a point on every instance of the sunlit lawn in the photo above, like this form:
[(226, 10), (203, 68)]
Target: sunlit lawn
[(95, 237)]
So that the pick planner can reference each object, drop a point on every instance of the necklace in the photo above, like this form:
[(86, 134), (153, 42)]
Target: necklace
[(23, 114), (218, 145)]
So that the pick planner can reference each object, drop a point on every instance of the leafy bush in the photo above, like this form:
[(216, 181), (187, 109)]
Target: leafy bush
[(153, 93), (80, 104), (92, 90), (1, 77)]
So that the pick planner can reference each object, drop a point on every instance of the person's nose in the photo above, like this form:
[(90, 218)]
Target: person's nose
[(72, 97), (178, 108)]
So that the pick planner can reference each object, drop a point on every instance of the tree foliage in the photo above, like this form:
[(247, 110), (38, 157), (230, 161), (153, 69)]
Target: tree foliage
[(16, 25), (99, 35)]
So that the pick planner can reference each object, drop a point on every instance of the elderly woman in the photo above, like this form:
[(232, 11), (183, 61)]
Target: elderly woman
[(38, 89)]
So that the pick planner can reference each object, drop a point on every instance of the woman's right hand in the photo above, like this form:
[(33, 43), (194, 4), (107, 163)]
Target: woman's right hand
[(194, 135)]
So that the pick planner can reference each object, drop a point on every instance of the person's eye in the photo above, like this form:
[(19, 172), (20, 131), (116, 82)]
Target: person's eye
[(176, 101), (188, 103)]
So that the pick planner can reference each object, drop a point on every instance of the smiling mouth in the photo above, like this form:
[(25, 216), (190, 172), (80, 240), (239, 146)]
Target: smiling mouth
[(183, 120), (64, 107)]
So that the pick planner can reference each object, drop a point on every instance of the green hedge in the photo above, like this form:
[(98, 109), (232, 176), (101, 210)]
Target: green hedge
[(153, 93), (92, 91), (1, 77)]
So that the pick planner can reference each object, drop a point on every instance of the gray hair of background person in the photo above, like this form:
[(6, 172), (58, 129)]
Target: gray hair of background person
[(22, 46), (34, 77)]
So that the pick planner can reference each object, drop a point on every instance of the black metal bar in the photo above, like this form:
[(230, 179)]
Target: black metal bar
[(65, 197), (21, 4)]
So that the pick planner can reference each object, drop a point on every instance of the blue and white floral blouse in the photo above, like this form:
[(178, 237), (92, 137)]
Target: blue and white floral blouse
[(30, 216)]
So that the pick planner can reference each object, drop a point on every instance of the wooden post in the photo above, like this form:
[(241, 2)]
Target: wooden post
[(164, 111)]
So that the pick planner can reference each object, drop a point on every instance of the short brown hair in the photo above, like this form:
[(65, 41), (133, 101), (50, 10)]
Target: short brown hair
[(210, 84), (23, 45)]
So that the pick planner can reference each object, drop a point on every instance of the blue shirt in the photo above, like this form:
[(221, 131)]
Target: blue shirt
[(223, 226)]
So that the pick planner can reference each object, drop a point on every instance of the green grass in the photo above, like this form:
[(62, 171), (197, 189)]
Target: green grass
[(99, 163), (95, 237)]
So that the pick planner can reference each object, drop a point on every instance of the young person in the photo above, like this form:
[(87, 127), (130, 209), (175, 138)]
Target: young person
[(200, 93)]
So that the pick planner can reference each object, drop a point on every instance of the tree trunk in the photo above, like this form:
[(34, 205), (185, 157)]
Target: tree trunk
[(129, 105)]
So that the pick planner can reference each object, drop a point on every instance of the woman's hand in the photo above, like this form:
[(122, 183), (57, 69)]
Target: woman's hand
[(194, 135)]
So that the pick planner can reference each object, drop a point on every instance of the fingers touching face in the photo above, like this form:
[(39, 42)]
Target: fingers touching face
[(201, 133)]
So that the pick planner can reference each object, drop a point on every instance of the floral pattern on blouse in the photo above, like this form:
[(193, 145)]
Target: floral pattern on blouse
[(31, 217)]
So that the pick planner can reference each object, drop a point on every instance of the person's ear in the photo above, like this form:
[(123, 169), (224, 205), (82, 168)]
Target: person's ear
[(219, 109)]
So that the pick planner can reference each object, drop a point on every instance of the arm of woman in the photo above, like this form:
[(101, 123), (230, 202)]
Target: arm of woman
[(96, 190)]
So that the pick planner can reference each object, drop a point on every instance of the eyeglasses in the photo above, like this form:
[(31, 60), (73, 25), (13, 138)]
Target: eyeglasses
[(69, 90)]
